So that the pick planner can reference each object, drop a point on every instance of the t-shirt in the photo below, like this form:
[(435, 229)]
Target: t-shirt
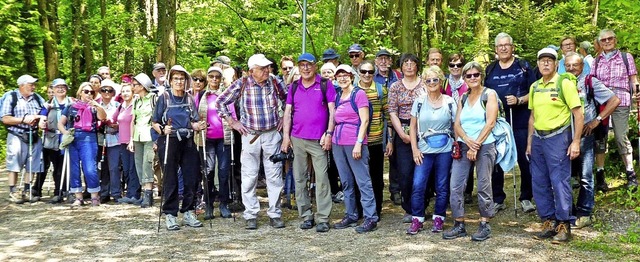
[(346, 132), (434, 121), (549, 111), (180, 111), (125, 116), (473, 119), (310, 113), (601, 93), (512, 81), (143, 109)]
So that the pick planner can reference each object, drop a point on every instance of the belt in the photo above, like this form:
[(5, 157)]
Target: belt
[(259, 132), (550, 133)]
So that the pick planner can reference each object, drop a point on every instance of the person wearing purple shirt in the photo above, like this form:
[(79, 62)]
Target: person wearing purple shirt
[(310, 135)]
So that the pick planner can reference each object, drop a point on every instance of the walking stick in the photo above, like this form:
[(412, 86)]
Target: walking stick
[(30, 177), (233, 177), (205, 177), (515, 198), (164, 173), (63, 174), (104, 149)]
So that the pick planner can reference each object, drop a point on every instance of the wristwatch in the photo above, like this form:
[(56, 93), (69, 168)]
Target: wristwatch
[(599, 118)]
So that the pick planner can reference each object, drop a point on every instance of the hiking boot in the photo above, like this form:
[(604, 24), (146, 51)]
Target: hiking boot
[(224, 211), (601, 184), (338, 197), (95, 202), (55, 200), (34, 198), (251, 224), (189, 219), (397, 199), (415, 227), (105, 199), (17, 198), (632, 180), (208, 212), (276, 222), (483, 233), (548, 230), (71, 197), (147, 199), (367, 226), (457, 231), (497, 207), (171, 222), (438, 224), (407, 218), (527, 206), (583, 222), (563, 233), (322, 227), (345, 223), (307, 224), (468, 199)]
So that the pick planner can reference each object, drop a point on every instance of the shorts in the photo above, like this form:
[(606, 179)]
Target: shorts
[(18, 156)]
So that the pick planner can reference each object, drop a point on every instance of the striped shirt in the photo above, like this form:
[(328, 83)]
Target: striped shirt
[(258, 104), (24, 106), (613, 74), (379, 106)]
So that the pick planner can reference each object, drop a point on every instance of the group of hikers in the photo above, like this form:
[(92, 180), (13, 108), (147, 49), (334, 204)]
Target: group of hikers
[(322, 131)]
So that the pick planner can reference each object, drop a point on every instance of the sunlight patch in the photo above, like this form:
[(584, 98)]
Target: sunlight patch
[(26, 243)]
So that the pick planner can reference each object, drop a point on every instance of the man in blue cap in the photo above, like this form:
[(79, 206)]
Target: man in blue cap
[(356, 56), (302, 131), (330, 56)]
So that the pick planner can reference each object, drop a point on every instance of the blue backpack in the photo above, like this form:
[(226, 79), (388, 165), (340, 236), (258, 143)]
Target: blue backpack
[(352, 100)]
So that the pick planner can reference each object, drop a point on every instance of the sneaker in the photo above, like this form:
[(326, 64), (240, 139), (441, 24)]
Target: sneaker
[(105, 199), (468, 199), (457, 231), (438, 224), (548, 230), (322, 227), (563, 233), (251, 224), (527, 206), (276, 222), (338, 197), (345, 223), (71, 197), (407, 218), (601, 183), (499, 206), (307, 224), (55, 200), (34, 199), (95, 202), (484, 232), (17, 197), (367, 226), (583, 222), (415, 227), (124, 200), (397, 199), (632, 180), (189, 219), (171, 222), (224, 211)]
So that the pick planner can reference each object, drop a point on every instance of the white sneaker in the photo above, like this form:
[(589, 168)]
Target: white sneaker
[(171, 222), (527, 206), (189, 219)]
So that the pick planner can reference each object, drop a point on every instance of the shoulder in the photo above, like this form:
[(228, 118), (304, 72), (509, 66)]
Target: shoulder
[(447, 99)]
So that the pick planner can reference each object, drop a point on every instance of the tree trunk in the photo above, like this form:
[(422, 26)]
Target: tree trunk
[(30, 41), (349, 13), (76, 22), (49, 43), (105, 33), (146, 10), (407, 26), (596, 9), (128, 31), (166, 32), (481, 30), (431, 17)]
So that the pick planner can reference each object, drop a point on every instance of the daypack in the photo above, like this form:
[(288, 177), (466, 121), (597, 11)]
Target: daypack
[(557, 89), (84, 119), (323, 89), (352, 100), (167, 102), (434, 139), (483, 98)]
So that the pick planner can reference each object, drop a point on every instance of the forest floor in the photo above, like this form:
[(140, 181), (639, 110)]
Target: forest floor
[(42, 231)]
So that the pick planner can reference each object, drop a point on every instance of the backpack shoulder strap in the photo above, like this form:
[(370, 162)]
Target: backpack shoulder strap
[(379, 90), (588, 84), (14, 101), (490, 67), (352, 98), (625, 60)]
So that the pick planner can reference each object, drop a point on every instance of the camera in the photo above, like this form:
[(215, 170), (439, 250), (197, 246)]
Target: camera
[(282, 156)]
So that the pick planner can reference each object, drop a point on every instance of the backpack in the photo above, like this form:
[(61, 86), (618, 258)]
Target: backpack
[(484, 98), (167, 103), (13, 94), (558, 88), (352, 100)]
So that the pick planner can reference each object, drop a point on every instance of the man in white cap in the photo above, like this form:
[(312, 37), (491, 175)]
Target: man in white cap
[(258, 96), (553, 141), (22, 112), (108, 137), (159, 78)]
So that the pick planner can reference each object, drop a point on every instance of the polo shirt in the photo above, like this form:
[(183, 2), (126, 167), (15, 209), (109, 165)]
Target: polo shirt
[(549, 111), (310, 115)]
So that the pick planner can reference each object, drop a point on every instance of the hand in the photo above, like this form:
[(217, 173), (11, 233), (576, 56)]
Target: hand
[(326, 143), (389, 149), (130, 146), (417, 156), (471, 143), (589, 127), (405, 138), (43, 123), (93, 103), (471, 155), (167, 129), (511, 100), (30, 119), (527, 152), (574, 150), (286, 144), (239, 127), (155, 147), (357, 151)]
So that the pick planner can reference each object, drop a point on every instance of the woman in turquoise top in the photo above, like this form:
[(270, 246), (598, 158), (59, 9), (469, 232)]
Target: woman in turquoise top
[(478, 113)]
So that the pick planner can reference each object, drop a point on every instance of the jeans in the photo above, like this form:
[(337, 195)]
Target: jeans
[(217, 150), (583, 166), (129, 172), (113, 154), (84, 148), (441, 163)]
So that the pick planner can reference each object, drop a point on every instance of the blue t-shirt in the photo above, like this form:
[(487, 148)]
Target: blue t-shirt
[(512, 81), (180, 111), (435, 122)]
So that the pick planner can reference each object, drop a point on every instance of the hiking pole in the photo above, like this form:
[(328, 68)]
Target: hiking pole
[(164, 172), (205, 177), (63, 174), (515, 198), (234, 198), (638, 119), (104, 149), (30, 153)]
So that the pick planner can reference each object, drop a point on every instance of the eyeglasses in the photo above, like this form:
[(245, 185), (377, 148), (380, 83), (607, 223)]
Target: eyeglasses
[(107, 91), (86, 92), (546, 61), (504, 46), (306, 65), (354, 56), (458, 65), (198, 79), (474, 75), (409, 63), (215, 76), (364, 72), (569, 44), (608, 39), (288, 68), (343, 77), (570, 66), (104, 73), (178, 79), (432, 80)]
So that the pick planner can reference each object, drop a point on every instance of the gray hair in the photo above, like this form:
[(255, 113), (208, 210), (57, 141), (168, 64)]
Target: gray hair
[(605, 31), (586, 45), (503, 35), (572, 54)]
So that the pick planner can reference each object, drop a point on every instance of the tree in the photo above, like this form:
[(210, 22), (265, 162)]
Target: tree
[(50, 41), (104, 33), (348, 14), (30, 38), (166, 32)]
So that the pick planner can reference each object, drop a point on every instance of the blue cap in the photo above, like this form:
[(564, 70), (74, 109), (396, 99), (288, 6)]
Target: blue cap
[(355, 48), (59, 82), (330, 54), (553, 47), (307, 57)]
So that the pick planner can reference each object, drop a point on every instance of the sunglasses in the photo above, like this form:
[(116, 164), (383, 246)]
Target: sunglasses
[(474, 75), (432, 80), (86, 92), (608, 39), (458, 65), (287, 68), (106, 91), (197, 79), (354, 56), (364, 72), (215, 77)]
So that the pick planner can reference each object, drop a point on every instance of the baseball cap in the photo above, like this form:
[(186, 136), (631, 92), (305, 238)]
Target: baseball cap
[(258, 60), (223, 59), (329, 54), (159, 66), (26, 79), (215, 68), (307, 57), (59, 82), (144, 80), (355, 48), (548, 52), (383, 52), (343, 67)]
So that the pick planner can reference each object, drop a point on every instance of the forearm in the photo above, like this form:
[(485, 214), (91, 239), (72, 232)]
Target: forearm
[(578, 119)]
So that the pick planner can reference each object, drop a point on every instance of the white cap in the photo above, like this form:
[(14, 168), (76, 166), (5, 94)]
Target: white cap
[(344, 67), (258, 60), (548, 52), (26, 79), (215, 68)]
